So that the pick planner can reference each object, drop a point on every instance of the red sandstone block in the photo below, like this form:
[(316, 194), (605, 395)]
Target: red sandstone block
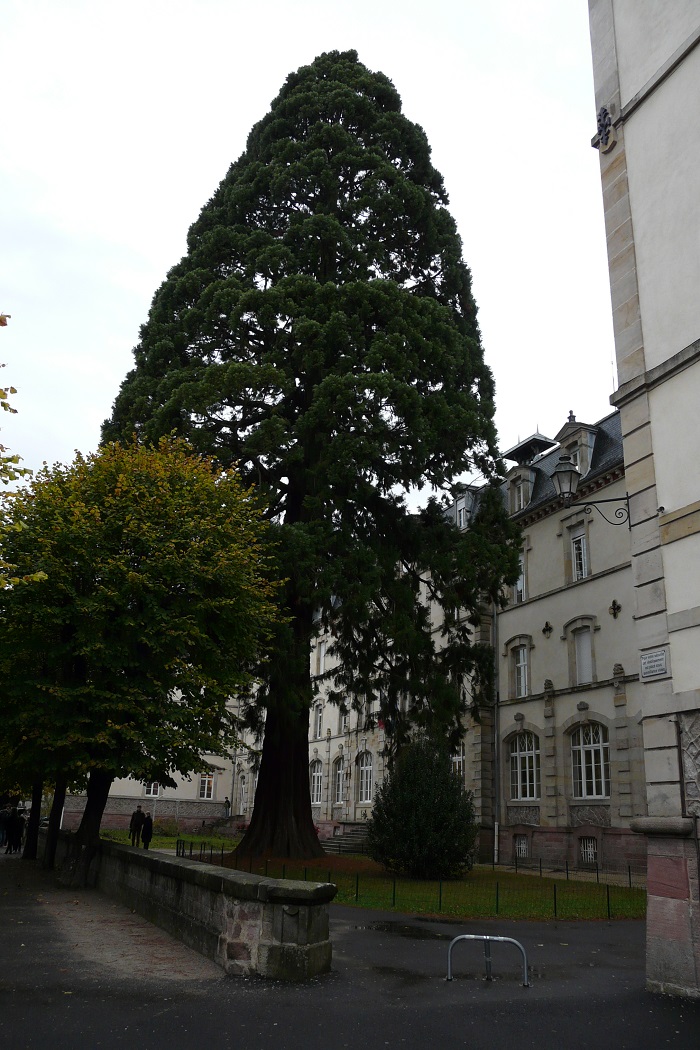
[(668, 877)]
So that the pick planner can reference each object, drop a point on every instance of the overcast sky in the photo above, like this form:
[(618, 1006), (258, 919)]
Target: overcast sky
[(120, 119)]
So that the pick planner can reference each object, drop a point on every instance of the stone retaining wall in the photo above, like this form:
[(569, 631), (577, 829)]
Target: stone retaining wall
[(246, 923)]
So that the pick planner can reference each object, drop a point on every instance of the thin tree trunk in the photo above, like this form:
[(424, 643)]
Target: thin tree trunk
[(59, 797), (76, 870), (31, 841)]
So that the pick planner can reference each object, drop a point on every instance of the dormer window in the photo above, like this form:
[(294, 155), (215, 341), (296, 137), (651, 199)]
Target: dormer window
[(520, 491), (574, 453), (462, 514)]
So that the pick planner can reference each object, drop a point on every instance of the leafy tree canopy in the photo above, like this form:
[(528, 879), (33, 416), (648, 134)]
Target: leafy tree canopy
[(155, 603), (321, 333), (422, 822)]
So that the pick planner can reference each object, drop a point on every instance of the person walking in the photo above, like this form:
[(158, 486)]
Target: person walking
[(135, 825), (147, 831)]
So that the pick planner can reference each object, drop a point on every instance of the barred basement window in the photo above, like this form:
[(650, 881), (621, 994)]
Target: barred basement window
[(589, 850), (521, 846)]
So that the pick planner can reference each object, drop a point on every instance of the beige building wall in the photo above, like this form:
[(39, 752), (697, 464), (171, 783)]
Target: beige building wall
[(646, 63)]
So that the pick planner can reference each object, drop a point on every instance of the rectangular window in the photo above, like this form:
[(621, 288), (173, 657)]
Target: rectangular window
[(520, 670), (343, 721), (322, 646), (206, 785), (152, 789), (316, 784), (590, 757), (579, 555), (318, 721), (518, 496), (524, 766), (520, 583), (584, 656), (462, 514), (459, 761), (339, 778)]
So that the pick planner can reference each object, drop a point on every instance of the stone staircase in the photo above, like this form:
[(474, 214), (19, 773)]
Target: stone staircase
[(353, 840)]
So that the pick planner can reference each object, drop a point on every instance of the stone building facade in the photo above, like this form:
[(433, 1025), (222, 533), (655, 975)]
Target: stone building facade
[(646, 70)]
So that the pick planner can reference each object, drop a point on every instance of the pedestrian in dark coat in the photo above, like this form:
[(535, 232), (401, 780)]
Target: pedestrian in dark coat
[(147, 831), (135, 825)]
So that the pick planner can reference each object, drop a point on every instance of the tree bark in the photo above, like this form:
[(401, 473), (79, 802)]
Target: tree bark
[(76, 870), (31, 841), (282, 824), (59, 797)]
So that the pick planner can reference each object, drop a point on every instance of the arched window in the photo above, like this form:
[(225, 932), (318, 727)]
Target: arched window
[(338, 780), (364, 777), (590, 761), (318, 721), (316, 781), (525, 766)]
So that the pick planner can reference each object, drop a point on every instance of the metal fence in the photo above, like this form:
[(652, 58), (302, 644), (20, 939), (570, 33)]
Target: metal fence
[(486, 892)]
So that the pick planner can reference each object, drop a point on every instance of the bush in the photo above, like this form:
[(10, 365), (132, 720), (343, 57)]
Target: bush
[(422, 822)]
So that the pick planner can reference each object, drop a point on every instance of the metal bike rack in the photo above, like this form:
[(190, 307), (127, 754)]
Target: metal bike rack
[(487, 953)]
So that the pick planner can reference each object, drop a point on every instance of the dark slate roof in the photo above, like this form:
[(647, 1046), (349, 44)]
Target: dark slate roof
[(607, 453)]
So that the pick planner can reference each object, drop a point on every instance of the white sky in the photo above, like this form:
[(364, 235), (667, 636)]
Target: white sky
[(120, 119)]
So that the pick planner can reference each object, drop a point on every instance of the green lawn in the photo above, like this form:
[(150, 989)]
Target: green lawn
[(481, 894)]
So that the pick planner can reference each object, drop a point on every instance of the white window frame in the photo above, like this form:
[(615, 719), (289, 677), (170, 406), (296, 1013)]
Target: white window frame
[(520, 589), (459, 760), (524, 754), (243, 785), (206, 785), (152, 789), (521, 670), (583, 655), (316, 781), (318, 721), (322, 650), (580, 562), (343, 720), (590, 761), (364, 777), (338, 780)]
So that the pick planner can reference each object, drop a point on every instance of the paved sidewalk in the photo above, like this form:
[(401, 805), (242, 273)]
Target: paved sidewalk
[(79, 972)]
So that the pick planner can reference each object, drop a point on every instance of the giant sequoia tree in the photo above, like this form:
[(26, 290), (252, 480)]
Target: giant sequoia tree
[(321, 333)]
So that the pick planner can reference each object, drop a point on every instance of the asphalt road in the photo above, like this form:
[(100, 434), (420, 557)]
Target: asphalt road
[(79, 972)]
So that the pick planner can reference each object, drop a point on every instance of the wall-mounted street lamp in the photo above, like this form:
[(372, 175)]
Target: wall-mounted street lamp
[(565, 478)]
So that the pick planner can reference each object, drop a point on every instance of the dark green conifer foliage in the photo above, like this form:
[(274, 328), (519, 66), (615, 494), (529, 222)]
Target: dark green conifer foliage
[(321, 333), (422, 822)]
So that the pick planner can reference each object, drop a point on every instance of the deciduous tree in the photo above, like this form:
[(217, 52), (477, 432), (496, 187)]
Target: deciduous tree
[(321, 333), (156, 603)]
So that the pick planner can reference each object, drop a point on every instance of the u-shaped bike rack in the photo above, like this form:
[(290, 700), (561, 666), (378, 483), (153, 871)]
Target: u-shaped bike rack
[(487, 953)]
